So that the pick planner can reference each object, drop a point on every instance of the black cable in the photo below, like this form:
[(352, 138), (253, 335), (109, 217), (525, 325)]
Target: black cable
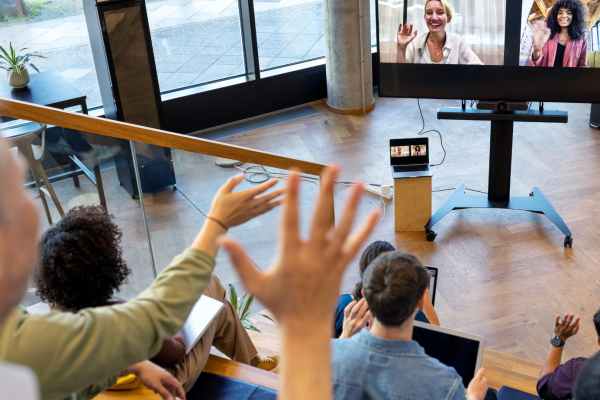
[(472, 190), (423, 131)]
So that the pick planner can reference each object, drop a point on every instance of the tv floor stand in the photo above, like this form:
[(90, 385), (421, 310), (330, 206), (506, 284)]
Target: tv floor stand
[(501, 139)]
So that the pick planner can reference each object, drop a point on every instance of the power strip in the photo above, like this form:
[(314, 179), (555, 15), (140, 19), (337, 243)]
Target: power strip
[(376, 190)]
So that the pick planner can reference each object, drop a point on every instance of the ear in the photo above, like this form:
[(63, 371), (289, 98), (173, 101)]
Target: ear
[(449, 18), (362, 291)]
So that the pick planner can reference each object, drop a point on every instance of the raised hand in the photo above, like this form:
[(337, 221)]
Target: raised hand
[(234, 208), (158, 379), (541, 34), (566, 328), (405, 35), (301, 286), (356, 318)]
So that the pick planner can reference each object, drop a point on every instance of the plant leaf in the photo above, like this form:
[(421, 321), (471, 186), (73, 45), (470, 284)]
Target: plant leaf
[(34, 67), (233, 297), (246, 309), (250, 325), (267, 317)]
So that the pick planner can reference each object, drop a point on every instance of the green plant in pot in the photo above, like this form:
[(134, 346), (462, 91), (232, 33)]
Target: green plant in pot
[(16, 64), (242, 307)]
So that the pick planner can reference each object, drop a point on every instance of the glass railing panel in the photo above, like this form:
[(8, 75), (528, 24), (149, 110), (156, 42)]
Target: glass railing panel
[(75, 168)]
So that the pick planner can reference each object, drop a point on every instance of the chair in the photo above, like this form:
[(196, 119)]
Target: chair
[(23, 138), (593, 59)]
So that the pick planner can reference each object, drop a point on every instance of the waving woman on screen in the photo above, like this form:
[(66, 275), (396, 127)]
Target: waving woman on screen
[(563, 41), (437, 46)]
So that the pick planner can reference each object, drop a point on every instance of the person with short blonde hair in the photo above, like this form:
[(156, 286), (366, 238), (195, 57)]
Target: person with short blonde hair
[(436, 46)]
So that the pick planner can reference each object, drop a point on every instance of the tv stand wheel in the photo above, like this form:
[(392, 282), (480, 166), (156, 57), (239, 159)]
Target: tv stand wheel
[(430, 235), (569, 242), (531, 194), (174, 187)]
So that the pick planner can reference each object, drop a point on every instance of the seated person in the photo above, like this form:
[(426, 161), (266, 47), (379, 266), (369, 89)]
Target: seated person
[(586, 384), (84, 353), (346, 303), (81, 266), (436, 46), (395, 287), (556, 380)]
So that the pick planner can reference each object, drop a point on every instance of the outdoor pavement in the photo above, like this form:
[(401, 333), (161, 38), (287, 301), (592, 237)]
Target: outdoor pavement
[(194, 41)]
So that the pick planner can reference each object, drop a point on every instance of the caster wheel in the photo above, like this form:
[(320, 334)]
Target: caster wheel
[(430, 236), (568, 242), (531, 194), (174, 187)]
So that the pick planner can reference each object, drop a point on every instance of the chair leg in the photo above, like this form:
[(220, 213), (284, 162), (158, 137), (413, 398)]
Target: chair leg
[(48, 185), (99, 185), (38, 184)]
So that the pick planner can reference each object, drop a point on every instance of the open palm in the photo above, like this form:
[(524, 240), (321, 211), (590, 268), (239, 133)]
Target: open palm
[(406, 34), (541, 33)]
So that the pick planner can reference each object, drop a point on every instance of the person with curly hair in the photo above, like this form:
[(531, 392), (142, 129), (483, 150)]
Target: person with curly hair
[(81, 266), (562, 42)]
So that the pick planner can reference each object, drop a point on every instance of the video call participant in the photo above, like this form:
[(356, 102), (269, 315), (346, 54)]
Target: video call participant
[(437, 46), (563, 41)]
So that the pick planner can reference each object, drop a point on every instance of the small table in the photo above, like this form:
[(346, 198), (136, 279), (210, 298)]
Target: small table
[(51, 89)]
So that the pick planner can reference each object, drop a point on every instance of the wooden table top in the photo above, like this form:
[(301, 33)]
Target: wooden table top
[(47, 88)]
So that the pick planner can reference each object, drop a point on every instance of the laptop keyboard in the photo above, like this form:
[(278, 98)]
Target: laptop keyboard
[(410, 168)]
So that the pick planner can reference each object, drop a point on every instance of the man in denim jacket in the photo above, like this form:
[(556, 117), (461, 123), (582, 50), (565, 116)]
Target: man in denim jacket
[(394, 286)]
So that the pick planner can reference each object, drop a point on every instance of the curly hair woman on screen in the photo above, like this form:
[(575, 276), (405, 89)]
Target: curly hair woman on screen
[(562, 40)]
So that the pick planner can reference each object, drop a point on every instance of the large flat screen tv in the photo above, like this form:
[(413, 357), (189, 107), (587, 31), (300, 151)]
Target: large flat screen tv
[(489, 49)]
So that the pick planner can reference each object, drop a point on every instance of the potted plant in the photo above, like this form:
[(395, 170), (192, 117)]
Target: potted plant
[(242, 307), (15, 65)]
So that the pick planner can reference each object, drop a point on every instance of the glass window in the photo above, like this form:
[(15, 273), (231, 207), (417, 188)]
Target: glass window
[(288, 33), (56, 29), (195, 41)]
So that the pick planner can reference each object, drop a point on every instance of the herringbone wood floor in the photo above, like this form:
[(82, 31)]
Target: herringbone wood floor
[(503, 274)]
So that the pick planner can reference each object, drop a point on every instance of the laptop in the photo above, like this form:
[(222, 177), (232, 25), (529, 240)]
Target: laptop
[(409, 158), (462, 351), (433, 275), (202, 315)]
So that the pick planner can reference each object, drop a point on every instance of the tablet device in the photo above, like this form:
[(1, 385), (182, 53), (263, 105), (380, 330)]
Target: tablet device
[(433, 275), (462, 351), (203, 314)]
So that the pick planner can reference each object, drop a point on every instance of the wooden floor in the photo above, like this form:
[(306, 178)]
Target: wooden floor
[(503, 274)]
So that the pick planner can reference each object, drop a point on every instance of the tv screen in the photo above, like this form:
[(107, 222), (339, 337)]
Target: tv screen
[(515, 50)]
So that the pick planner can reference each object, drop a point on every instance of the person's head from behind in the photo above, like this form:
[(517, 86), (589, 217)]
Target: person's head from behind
[(587, 385), (395, 287), (368, 255), (438, 13), (570, 14), (19, 223), (596, 320), (81, 262)]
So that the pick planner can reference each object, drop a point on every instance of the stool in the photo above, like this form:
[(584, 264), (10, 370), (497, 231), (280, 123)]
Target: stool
[(23, 139), (412, 203)]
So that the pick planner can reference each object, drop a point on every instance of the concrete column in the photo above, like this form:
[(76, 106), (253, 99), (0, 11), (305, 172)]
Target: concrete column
[(349, 81)]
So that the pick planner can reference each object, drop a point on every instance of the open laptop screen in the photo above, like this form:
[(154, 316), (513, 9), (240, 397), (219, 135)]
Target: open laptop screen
[(409, 151), (459, 350)]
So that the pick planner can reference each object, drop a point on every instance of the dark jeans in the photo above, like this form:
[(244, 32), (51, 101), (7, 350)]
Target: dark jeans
[(346, 299)]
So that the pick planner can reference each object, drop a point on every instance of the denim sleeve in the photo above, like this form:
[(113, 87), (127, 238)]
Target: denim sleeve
[(341, 304), (459, 391)]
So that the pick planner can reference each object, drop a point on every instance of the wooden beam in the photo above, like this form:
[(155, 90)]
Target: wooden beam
[(107, 127), (594, 17), (536, 16), (542, 7)]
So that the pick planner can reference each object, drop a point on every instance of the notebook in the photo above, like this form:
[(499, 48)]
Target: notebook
[(202, 315)]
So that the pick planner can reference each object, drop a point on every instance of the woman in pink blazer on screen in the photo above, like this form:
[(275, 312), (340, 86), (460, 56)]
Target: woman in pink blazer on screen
[(562, 42)]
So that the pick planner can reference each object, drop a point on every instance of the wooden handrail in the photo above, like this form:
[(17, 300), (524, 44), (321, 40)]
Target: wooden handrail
[(107, 127)]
